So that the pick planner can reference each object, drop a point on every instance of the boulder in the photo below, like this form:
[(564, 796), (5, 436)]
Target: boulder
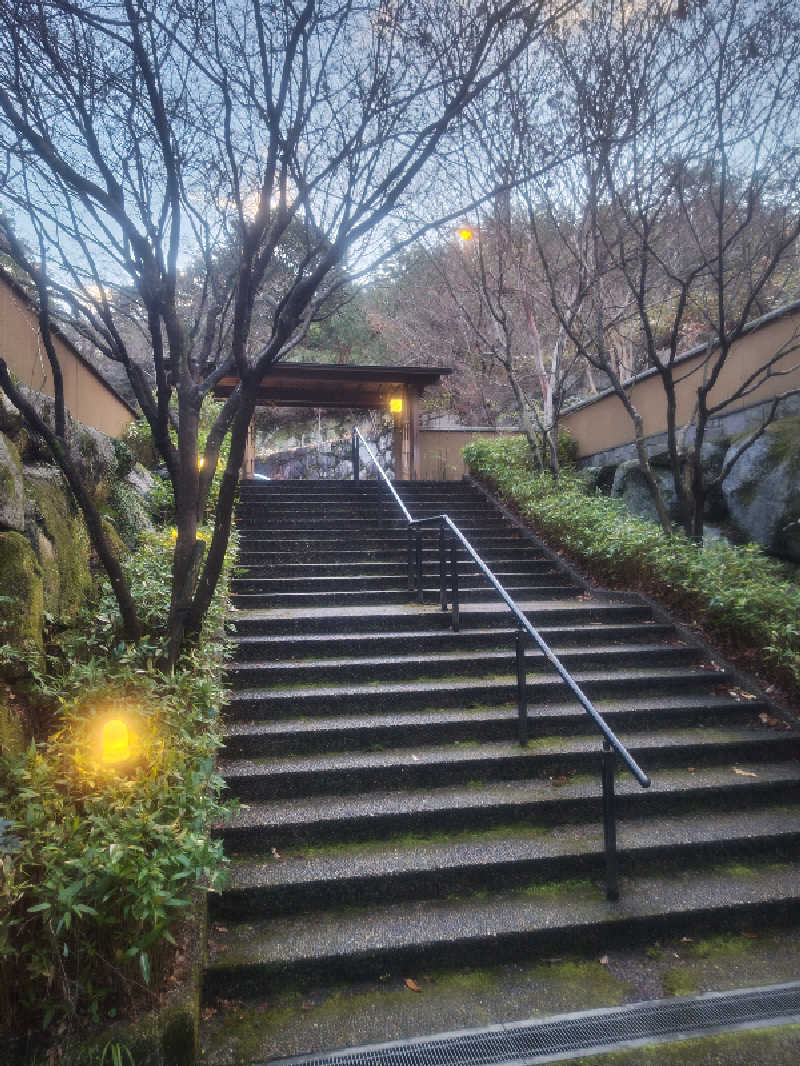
[(12, 510), (762, 491), (93, 453), (631, 487), (140, 479)]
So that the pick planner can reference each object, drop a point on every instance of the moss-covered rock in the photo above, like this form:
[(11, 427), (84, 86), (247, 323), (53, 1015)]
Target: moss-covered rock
[(128, 511), (12, 515), (22, 596), (61, 541)]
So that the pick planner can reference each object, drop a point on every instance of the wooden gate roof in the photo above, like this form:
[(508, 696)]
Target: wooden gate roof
[(335, 384)]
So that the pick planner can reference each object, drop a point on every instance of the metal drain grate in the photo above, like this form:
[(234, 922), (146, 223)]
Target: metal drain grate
[(528, 1042)]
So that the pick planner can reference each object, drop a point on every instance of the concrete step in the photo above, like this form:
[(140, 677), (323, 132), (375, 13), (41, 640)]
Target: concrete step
[(429, 767), (331, 645), (337, 582), (301, 736), (308, 555), (556, 800), (392, 568), (385, 698), (517, 588), (579, 610), (522, 921), (496, 664), (440, 866)]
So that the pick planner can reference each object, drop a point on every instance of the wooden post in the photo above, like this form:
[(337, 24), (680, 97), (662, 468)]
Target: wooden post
[(413, 397), (249, 460)]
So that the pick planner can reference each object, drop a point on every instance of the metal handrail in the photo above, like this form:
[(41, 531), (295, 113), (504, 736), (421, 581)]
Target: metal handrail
[(356, 438), (551, 657), (611, 744)]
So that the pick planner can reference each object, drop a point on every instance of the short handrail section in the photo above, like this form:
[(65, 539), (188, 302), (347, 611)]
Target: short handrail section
[(450, 536)]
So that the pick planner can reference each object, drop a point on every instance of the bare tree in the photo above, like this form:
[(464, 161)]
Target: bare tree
[(140, 134), (687, 206)]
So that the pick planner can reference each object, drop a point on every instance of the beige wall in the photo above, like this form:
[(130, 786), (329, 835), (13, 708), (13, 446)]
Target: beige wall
[(87, 398), (603, 423), (440, 451)]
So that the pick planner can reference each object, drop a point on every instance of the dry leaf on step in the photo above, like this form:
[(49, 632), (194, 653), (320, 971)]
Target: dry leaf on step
[(410, 983), (744, 773)]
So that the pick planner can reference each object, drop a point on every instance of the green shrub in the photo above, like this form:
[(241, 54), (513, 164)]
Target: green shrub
[(736, 590), (100, 863)]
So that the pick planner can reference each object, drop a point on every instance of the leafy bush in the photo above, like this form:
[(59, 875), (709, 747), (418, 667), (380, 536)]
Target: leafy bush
[(737, 590), (99, 864)]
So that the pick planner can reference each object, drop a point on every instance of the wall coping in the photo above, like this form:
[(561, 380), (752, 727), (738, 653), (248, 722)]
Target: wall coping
[(751, 327)]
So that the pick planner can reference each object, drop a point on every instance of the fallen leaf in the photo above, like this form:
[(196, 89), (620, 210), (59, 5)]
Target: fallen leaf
[(744, 773), (603, 960), (751, 936), (690, 769), (687, 940), (412, 985)]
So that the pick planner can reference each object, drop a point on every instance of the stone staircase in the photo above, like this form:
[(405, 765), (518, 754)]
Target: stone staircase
[(389, 819)]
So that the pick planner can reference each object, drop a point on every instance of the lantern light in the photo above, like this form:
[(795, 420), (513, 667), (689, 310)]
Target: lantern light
[(116, 745), (396, 405), (465, 233), (201, 462)]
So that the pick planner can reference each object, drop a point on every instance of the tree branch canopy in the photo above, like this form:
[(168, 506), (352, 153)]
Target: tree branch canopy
[(204, 172)]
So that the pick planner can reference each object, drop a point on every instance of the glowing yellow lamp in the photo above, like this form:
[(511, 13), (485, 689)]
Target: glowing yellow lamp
[(201, 463), (465, 233), (115, 741), (396, 405)]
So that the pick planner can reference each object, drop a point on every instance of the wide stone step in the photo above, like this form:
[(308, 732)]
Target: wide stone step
[(300, 736), (497, 664), (300, 541), (258, 522), (338, 582), (388, 698), (516, 923), (392, 568), (553, 801), (313, 619), (354, 772), (517, 589), (308, 556), (331, 645), (437, 868), (343, 507)]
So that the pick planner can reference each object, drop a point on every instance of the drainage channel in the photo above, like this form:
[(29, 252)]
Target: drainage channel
[(569, 1035)]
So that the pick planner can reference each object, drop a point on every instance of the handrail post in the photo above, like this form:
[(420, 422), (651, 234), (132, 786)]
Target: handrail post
[(610, 822), (455, 608), (442, 566), (356, 457), (522, 688), (419, 579), (411, 558)]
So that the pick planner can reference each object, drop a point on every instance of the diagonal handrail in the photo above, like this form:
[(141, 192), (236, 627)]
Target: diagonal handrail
[(611, 743), (551, 657)]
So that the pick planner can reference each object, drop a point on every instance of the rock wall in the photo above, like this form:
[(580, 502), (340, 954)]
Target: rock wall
[(328, 460), (45, 554), (758, 501)]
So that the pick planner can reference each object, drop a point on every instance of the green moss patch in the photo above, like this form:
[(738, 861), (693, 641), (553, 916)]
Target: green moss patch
[(67, 570), (22, 598)]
